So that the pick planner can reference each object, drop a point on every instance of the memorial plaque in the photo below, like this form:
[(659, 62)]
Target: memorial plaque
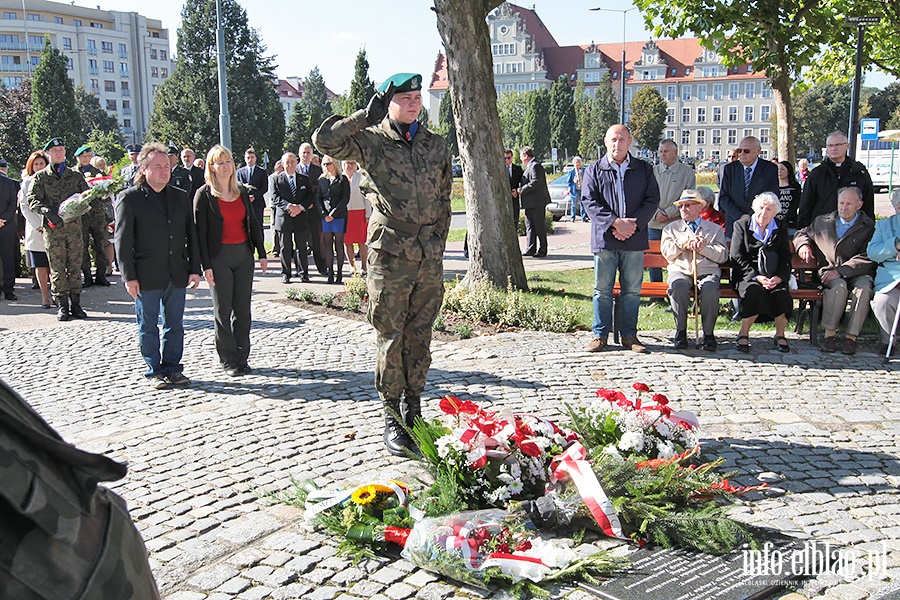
[(661, 574)]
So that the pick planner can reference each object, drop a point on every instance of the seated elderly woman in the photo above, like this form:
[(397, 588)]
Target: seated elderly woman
[(761, 268), (884, 248)]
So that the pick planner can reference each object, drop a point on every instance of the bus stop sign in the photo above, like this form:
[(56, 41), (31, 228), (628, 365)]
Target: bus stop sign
[(869, 129)]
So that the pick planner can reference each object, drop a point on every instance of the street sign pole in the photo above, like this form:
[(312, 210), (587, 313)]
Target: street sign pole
[(860, 22)]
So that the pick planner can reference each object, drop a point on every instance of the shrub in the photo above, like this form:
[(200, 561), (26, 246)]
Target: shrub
[(548, 221), (483, 302), (306, 296), (327, 299), (463, 330), (706, 178), (292, 293), (352, 302), (438, 324), (356, 286)]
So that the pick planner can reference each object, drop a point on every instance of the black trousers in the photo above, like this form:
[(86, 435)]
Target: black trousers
[(316, 243), (535, 231), (233, 277), (9, 241), (295, 234)]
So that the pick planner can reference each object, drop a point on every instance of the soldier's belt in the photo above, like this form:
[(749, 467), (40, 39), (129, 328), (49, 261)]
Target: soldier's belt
[(404, 226)]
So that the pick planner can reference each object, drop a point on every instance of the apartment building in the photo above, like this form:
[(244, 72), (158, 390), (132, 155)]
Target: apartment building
[(709, 107), (120, 56)]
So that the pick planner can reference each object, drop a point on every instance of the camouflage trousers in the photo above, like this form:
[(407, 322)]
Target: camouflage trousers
[(404, 300), (64, 252), (95, 234)]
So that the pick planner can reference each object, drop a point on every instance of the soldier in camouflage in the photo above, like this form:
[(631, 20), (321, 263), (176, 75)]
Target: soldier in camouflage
[(410, 186), (181, 177), (93, 226), (51, 187), (64, 537)]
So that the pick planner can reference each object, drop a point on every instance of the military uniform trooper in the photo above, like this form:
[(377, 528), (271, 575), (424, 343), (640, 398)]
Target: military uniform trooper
[(51, 187), (181, 177), (131, 169), (410, 186), (93, 225)]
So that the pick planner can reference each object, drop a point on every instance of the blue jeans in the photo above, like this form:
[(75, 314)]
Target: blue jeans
[(147, 308), (630, 265), (655, 272), (576, 206)]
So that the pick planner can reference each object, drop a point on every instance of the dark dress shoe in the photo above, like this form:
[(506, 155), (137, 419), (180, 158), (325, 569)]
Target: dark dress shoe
[(102, 281), (285, 279), (304, 278), (528, 254), (681, 342), (709, 343), (244, 369), (35, 286), (541, 255), (11, 296), (87, 282), (233, 371)]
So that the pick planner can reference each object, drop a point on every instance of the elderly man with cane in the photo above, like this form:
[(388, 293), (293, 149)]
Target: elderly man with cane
[(695, 249)]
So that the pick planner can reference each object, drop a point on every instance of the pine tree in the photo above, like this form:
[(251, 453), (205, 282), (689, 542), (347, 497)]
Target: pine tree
[(604, 113), (315, 101), (186, 105), (15, 106), (297, 129), (564, 131), (53, 110), (361, 88), (582, 119), (536, 129), (94, 118), (448, 123), (648, 117)]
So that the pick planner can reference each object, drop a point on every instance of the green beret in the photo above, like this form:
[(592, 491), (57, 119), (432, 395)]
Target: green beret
[(82, 149), (403, 82), (57, 141)]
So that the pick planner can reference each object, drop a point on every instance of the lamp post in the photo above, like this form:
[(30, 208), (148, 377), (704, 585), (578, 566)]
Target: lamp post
[(224, 117), (624, 38), (860, 22)]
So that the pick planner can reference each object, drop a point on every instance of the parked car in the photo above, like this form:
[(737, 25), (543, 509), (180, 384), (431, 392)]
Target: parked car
[(457, 169), (559, 197), (707, 165)]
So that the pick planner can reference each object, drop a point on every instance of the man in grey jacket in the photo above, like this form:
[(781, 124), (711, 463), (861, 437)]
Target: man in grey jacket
[(535, 197)]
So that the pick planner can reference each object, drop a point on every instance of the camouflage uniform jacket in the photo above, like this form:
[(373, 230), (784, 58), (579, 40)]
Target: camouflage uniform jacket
[(410, 183), (49, 189), (181, 178), (64, 537)]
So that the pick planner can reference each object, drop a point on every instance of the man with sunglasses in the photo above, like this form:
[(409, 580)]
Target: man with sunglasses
[(743, 180)]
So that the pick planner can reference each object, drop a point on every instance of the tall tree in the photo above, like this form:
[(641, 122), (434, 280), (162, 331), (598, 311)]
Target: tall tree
[(881, 47), (511, 110), (448, 123), (15, 107), (885, 106), (648, 117), (583, 104), (536, 129), (604, 114), (315, 101), (493, 244), (563, 128), (298, 130), (186, 105), (108, 144), (779, 38), (53, 110), (361, 88), (94, 117), (819, 110)]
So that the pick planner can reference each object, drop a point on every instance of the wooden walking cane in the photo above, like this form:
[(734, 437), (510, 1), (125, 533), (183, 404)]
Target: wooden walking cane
[(697, 341), (890, 347)]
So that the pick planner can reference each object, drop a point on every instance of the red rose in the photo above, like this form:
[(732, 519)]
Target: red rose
[(641, 387), (660, 399), (610, 395), (526, 545)]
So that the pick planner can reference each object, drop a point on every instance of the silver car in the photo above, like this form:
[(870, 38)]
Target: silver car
[(559, 197)]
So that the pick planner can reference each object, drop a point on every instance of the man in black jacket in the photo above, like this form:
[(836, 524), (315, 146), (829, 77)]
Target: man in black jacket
[(8, 237), (820, 193), (255, 176), (156, 245)]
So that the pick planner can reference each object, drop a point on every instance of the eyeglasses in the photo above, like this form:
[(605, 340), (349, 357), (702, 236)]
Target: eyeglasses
[(743, 150), (508, 157), (838, 145), (327, 163)]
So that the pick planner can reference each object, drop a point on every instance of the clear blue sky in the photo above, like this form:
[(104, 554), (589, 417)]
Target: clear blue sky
[(400, 37)]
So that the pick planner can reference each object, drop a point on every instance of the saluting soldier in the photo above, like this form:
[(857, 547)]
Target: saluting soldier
[(52, 185), (181, 177), (410, 186)]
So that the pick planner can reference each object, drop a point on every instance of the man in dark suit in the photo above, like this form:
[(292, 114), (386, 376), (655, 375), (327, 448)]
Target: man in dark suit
[(535, 197), (743, 180), (196, 173), (9, 240), (256, 177), (313, 171), (515, 178), (294, 207), (158, 254)]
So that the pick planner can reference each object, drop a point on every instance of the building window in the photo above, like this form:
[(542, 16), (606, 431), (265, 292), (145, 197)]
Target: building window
[(126, 104), (764, 135), (701, 92), (766, 90), (717, 114), (670, 93), (97, 25), (163, 55), (125, 86), (9, 16), (648, 75), (92, 46), (58, 20), (123, 51), (593, 77), (76, 22), (522, 87), (533, 86), (717, 91), (732, 137), (711, 71), (732, 114), (69, 64), (67, 43), (499, 89), (153, 53), (92, 66), (686, 92), (750, 90), (106, 47), (12, 82), (670, 116), (109, 66), (154, 34), (765, 112), (8, 39), (126, 123), (733, 91), (95, 85), (685, 137), (701, 137), (501, 49), (748, 114), (716, 137), (110, 104), (154, 72), (34, 17), (701, 114), (670, 134), (8, 62), (685, 115), (748, 132), (35, 41), (123, 69), (164, 72), (109, 86)]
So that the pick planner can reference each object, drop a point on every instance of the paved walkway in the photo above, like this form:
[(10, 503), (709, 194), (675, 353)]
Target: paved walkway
[(827, 424)]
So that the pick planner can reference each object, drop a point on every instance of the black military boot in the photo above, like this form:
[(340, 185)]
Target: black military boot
[(330, 275), (63, 313), (86, 279), (100, 279), (77, 311), (395, 437), (413, 406)]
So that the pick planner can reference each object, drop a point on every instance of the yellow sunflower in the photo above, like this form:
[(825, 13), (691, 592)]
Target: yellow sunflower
[(364, 494)]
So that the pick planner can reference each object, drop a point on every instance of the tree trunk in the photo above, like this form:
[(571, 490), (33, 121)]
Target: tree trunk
[(494, 253), (781, 86)]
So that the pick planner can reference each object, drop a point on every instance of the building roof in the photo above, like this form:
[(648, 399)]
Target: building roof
[(535, 26), (293, 88)]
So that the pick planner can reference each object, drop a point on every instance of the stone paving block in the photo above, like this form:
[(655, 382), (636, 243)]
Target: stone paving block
[(435, 591), (258, 573), (421, 578), (244, 530), (277, 559), (399, 591), (348, 576), (210, 579), (255, 593), (186, 595), (294, 590), (366, 587), (324, 593), (302, 564), (235, 585), (246, 558), (846, 591), (318, 576), (388, 575)]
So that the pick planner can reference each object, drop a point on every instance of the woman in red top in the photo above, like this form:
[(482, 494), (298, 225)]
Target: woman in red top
[(709, 212), (228, 233)]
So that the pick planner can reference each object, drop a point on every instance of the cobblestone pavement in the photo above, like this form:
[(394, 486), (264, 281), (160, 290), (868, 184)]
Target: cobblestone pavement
[(827, 427)]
